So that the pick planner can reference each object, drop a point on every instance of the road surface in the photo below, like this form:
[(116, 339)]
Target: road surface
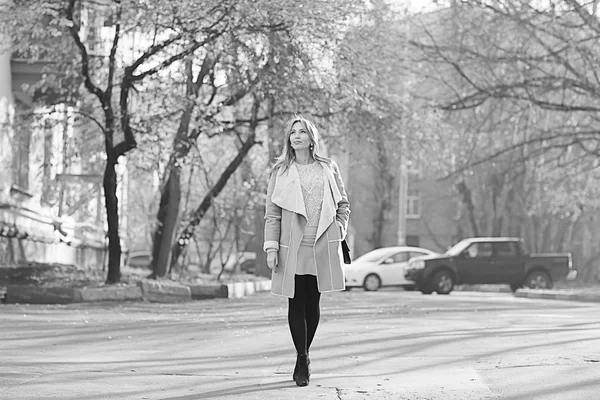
[(370, 345)]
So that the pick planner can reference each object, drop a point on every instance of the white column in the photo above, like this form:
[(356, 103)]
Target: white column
[(6, 115), (123, 197)]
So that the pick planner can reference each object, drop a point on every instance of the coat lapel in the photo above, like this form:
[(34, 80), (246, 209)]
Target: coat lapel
[(335, 191), (331, 196), (287, 193)]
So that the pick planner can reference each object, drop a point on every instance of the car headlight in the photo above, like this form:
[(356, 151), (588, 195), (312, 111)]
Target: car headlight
[(417, 264)]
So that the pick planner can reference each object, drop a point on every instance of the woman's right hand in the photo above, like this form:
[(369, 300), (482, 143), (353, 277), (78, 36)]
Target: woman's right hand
[(272, 260)]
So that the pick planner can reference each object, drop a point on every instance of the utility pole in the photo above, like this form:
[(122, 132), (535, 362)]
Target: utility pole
[(402, 172), (402, 189)]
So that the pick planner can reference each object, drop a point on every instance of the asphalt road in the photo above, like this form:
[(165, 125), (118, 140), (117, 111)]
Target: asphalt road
[(383, 345)]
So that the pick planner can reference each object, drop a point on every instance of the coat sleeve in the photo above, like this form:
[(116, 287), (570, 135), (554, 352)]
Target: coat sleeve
[(343, 206), (272, 217)]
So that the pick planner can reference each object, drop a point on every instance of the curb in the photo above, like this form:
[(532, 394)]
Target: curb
[(164, 292), (229, 290), (483, 288), (242, 289), (55, 295), (547, 294), (151, 291), (558, 295), (214, 291)]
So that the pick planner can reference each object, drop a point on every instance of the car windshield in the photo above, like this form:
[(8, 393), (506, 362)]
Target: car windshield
[(374, 255), (458, 248)]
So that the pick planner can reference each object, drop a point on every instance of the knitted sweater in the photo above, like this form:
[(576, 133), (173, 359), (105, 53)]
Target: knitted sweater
[(312, 183)]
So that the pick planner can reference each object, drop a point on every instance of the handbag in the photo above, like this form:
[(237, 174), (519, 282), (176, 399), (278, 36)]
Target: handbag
[(346, 252)]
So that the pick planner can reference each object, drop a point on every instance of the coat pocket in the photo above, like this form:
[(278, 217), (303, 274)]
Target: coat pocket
[(282, 255), (334, 233)]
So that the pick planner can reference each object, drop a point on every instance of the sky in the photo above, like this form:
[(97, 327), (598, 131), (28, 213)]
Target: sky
[(417, 5)]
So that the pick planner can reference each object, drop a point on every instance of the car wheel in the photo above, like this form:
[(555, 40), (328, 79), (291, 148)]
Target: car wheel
[(372, 282), (538, 280), (443, 282), (515, 286)]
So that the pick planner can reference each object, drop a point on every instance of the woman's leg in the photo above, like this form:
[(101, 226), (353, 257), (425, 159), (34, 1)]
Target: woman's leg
[(313, 311), (302, 325), (297, 314)]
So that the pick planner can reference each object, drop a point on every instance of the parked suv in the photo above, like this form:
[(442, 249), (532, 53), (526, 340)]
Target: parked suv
[(491, 260)]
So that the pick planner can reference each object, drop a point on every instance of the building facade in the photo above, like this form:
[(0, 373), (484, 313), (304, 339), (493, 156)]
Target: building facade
[(37, 209), (377, 186)]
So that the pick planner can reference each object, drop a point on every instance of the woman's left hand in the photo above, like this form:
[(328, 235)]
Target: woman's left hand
[(339, 224)]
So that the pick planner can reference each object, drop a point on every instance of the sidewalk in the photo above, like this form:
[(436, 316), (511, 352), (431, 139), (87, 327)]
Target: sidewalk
[(589, 293)]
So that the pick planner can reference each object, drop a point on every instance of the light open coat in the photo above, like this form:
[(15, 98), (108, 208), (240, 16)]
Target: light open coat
[(286, 218)]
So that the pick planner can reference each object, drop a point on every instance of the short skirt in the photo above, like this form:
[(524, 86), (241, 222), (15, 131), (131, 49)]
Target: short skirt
[(307, 264)]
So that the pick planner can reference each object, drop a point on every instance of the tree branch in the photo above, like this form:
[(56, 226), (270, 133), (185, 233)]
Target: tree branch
[(85, 67)]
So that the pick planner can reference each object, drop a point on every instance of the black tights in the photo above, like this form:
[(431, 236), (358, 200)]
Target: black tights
[(304, 312)]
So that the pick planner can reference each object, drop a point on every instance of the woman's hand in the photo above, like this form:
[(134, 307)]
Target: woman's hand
[(341, 228), (272, 260)]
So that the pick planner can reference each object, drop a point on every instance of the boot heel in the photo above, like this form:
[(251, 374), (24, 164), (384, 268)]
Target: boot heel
[(302, 378)]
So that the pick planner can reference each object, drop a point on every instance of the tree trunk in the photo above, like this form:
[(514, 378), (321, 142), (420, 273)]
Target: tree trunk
[(188, 232), (112, 214), (170, 197), (262, 269), (467, 200), (168, 215), (11, 251)]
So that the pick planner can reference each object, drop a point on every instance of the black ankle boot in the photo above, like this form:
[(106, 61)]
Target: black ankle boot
[(302, 374), (295, 374)]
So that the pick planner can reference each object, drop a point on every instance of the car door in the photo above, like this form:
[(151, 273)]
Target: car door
[(507, 262), (474, 264), (392, 269)]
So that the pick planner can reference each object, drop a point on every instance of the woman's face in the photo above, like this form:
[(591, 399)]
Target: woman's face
[(299, 138)]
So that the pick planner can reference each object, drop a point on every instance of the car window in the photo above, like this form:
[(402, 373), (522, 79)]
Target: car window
[(373, 255), (505, 248), (477, 250), (400, 257), (417, 254)]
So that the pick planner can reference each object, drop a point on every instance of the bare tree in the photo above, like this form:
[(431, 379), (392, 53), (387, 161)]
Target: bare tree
[(110, 79), (539, 55)]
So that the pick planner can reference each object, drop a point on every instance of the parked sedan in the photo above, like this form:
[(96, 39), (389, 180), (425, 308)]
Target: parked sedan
[(383, 267)]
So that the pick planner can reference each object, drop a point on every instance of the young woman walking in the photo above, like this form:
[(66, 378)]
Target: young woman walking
[(307, 213)]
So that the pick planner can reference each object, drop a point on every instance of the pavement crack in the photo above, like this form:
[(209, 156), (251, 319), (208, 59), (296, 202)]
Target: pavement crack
[(176, 374), (529, 365)]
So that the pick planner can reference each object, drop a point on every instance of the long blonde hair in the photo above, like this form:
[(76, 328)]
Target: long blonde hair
[(288, 156)]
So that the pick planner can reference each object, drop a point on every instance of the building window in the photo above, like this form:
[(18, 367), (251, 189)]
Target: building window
[(413, 197), (413, 206), (20, 166)]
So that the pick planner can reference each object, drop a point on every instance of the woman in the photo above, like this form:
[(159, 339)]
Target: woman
[(307, 213)]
